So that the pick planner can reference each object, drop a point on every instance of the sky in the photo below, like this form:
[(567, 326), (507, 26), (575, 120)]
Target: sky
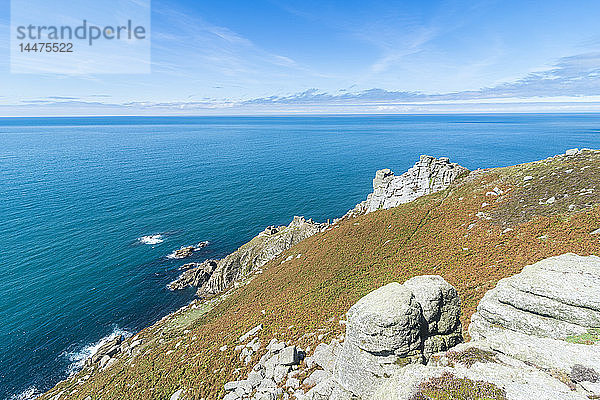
[(305, 56)]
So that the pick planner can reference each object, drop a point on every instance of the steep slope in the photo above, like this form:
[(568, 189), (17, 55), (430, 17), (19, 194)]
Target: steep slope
[(212, 277), (486, 226)]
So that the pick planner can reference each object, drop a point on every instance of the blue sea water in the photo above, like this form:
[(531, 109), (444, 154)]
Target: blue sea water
[(77, 193)]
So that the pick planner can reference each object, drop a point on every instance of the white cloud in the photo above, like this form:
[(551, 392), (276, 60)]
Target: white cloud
[(572, 84)]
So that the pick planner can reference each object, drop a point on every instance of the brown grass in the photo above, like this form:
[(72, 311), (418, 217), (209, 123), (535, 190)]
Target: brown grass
[(307, 296)]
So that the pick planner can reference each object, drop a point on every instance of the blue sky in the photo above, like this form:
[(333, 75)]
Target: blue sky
[(275, 56)]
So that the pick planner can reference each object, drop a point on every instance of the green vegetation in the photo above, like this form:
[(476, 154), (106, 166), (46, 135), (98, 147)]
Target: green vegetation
[(592, 336), (306, 297), (450, 387), (472, 355)]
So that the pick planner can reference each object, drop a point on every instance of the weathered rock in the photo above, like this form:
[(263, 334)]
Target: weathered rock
[(195, 276), (250, 333), (428, 175), (324, 355), (316, 377), (255, 377), (441, 309), (392, 327), (231, 396), (280, 373), (258, 251), (175, 396), (543, 352), (513, 379), (104, 360), (187, 251), (267, 385), (554, 298), (528, 315), (386, 321), (289, 356), (110, 349), (580, 373)]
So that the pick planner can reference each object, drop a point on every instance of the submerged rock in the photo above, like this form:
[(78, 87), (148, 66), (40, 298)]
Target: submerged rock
[(187, 251)]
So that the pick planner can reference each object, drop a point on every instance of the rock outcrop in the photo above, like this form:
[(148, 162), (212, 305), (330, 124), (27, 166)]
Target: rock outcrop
[(187, 251), (105, 352), (108, 351), (277, 366), (195, 275), (212, 277), (394, 326), (428, 175), (535, 336), (555, 298), (547, 316), (388, 329), (258, 251)]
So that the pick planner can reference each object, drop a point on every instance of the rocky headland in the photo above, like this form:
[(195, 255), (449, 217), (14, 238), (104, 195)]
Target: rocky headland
[(214, 276), (484, 285), (428, 175)]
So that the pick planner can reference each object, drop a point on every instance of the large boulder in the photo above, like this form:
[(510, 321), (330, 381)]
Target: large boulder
[(546, 316), (553, 298), (441, 309), (386, 321), (394, 326)]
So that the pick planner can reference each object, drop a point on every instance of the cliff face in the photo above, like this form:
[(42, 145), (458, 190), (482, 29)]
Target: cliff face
[(212, 277), (261, 249), (428, 175)]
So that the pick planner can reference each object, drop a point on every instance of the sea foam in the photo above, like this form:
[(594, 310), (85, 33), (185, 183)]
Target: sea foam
[(151, 239), (78, 358), (28, 394)]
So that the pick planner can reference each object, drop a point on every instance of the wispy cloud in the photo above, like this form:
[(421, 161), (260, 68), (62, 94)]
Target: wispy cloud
[(575, 76), (568, 85), (209, 48)]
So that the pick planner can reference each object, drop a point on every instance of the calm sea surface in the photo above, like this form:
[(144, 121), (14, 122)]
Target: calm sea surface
[(77, 193)]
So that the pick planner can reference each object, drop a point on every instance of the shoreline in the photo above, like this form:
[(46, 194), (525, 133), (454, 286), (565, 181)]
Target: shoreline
[(217, 298), (427, 166)]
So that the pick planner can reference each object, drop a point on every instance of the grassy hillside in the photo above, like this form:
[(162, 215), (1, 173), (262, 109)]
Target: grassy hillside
[(485, 227)]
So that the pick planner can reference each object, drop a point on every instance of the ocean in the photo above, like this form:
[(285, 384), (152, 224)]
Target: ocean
[(78, 194)]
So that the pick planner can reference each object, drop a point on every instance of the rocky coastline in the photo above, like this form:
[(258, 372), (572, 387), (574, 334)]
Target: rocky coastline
[(428, 175), (214, 276), (535, 334)]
